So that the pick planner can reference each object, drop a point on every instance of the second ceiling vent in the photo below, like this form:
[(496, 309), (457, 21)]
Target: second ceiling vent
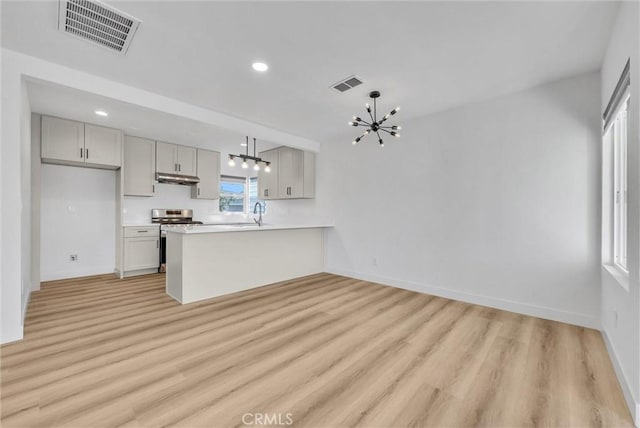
[(98, 23), (346, 84)]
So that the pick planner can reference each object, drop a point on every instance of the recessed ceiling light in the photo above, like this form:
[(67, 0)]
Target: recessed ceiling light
[(243, 144), (260, 66), (101, 113)]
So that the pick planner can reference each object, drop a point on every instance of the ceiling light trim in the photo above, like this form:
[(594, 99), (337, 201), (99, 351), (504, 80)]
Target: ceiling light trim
[(260, 67)]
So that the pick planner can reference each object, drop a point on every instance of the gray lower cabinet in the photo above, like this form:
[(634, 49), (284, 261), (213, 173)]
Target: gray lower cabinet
[(141, 249)]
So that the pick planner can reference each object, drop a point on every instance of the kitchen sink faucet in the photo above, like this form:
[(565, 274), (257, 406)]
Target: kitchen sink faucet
[(255, 211)]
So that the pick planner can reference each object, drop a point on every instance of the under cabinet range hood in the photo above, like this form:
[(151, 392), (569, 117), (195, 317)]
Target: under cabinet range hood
[(187, 180)]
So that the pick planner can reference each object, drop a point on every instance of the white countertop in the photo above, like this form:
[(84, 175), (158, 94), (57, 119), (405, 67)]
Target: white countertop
[(221, 228)]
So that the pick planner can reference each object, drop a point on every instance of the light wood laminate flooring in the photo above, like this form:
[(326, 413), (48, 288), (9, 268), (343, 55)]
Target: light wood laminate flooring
[(319, 351)]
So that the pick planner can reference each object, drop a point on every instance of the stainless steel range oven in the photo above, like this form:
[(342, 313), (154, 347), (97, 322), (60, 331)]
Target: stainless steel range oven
[(169, 218)]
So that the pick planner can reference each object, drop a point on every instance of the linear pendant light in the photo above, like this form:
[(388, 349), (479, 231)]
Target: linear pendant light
[(257, 161)]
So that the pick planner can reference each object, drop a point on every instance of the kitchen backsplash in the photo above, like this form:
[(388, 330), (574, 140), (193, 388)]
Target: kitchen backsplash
[(137, 209)]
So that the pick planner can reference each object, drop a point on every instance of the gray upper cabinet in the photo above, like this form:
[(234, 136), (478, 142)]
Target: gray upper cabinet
[(139, 166), (208, 171), (62, 140), (268, 181), (75, 143), (187, 160), (166, 158), (175, 159), (292, 174), (102, 146)]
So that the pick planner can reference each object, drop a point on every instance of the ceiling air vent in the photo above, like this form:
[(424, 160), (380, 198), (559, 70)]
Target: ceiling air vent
[(346, 84), (97, 22)]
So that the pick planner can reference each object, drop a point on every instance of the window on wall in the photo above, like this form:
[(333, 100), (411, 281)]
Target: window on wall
[(618, 131), (233, 191), (615, 135), (239, 194), (253, 196)]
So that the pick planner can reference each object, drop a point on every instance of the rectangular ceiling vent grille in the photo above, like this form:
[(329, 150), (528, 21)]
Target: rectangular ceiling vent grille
[(98, 23), (346, 84)]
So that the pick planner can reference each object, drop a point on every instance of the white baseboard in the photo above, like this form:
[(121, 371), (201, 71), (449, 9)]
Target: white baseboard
[(137, 272), (492, 302), (25, 305), (632, 402), (174, 297), (88, 271)]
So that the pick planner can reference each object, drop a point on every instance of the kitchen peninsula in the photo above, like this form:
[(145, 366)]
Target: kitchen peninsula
[(210, 261)]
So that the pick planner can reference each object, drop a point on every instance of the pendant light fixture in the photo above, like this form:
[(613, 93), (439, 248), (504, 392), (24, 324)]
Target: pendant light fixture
[(256, 160), (375, 125)]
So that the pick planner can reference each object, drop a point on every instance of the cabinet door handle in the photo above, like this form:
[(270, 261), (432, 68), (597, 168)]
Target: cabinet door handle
[(266, 192), (179, 167), (143, 231), (153, 188), (198, 191), (175, 166), (81, 152), (86, 152)]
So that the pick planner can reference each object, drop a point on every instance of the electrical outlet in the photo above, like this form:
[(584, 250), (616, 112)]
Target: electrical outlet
[(73, 257)]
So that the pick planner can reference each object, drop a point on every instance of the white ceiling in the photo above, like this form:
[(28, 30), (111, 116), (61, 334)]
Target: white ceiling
[(424, 56), (55, 100)]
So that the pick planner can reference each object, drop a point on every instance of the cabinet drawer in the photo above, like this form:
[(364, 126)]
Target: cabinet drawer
[(137, 232)]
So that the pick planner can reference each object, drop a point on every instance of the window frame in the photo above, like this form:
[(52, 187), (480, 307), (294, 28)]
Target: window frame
[(246, 196), (614, 179), (238, 180), (249, 204), (619, 129), (615, 196)]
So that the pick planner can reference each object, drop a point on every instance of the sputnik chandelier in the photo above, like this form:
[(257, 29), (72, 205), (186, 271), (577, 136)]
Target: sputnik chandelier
[(375, 125), (257, 161)]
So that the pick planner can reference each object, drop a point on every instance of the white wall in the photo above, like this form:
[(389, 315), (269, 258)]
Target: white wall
[(78, 208), (11, 228), (35, 201), (137, 209), (624, 339), (496, 203), (25, 194)]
